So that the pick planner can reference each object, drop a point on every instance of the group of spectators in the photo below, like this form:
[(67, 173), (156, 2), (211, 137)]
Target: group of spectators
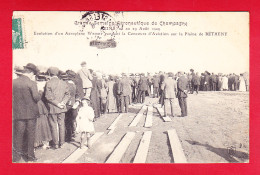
[(46, 104)]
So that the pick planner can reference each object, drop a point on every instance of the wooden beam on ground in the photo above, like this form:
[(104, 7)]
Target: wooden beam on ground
[(138, 116), (119, 151), (113, 125), (149, 118), (165, 118), (177, 151), (111, 131), (142, 151), (79, 152)]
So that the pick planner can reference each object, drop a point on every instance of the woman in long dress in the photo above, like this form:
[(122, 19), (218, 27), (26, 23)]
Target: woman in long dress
[(225, 83), (95, 96), (111, 95), (242, 84)]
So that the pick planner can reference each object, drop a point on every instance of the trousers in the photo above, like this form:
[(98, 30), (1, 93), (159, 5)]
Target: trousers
[(183, 106), (70, 123), (124, 103), (23, 139), (141, 96), (54, 119), (168, 102)]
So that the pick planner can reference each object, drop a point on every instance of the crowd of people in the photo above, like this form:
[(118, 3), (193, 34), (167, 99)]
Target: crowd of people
[(50, 108)]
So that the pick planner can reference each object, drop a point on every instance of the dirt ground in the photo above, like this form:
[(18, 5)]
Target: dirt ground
[(215, 130)]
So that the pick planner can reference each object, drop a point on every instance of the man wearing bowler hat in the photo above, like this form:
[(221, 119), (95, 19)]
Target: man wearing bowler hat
[(25, 111), (57, 95)]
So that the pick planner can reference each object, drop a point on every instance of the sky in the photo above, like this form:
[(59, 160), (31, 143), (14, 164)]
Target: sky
[(138, 53)]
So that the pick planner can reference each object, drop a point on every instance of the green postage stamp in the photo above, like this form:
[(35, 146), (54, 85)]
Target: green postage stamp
[(17, 34)]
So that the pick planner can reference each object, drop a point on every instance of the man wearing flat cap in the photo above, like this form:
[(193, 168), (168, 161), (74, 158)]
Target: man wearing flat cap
[(57, 95), (86, 77), (25, 111)]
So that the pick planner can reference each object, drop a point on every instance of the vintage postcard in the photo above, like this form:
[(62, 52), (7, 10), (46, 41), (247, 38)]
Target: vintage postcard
[(130, 87)]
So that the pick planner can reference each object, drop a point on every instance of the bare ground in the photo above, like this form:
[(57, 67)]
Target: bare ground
[(216, 130)]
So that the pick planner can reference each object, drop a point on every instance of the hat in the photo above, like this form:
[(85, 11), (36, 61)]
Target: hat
[(53, 71), (85, 98), (181, 72), (191, 70), (83, 63), (63, 76), (170, 74), (71, 74), (32, 67)]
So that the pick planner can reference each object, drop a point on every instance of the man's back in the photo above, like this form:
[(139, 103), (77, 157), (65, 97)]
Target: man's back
[(125, 87), (156, 81), (57, 91), (25, 98), (182, 85), (86, 77), (143, 84), (169, 86)]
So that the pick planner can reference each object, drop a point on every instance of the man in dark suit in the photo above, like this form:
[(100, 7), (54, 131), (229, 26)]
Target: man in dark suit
[(169, 87), (182, 86), (25, 112), (57, 95), (142, 87), (156, 81), (125, 92), (213, 82), (196, 82), (207, 81)]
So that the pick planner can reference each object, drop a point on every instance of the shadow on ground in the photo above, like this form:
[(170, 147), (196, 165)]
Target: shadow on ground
[(227, 153)]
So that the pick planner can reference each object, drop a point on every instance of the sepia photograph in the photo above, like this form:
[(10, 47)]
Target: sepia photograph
[(130, 87)]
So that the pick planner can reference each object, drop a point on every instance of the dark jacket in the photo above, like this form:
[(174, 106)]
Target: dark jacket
[(25, 98), (156, 81), (182, 85), (143, 84), (57, 91), (196, 80)]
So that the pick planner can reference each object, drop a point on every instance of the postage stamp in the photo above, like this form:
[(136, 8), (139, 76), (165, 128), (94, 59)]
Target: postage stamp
[(17, 34)]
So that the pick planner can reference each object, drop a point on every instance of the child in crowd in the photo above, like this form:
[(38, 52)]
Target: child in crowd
[(84, 121)]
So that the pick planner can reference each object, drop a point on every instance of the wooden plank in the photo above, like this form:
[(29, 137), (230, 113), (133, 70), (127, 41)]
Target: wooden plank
[(138, 116), (177, 151), (115, 122), (119, 151), (142, 151), (111, 131), (160, 111), (149, 118), (79, 152), (165, 118)]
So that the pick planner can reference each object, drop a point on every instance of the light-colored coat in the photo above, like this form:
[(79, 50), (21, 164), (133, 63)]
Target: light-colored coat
[(169, 86), (86, 77)]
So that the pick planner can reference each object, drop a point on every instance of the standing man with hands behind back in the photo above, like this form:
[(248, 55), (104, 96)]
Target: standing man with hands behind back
[(57, 95)]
